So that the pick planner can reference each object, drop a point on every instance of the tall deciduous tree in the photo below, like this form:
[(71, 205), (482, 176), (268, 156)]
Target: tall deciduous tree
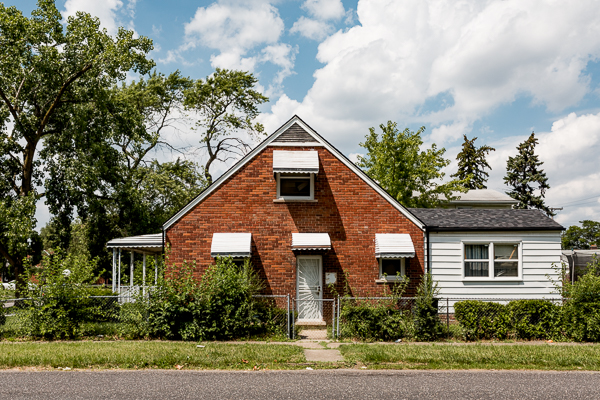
[(225, 104), (47, 72), (411, 176), (472, 164), (582, 237), (525, 177)]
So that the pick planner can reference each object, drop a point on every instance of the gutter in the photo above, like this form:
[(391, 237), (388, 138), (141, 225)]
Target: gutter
[(427, 266)]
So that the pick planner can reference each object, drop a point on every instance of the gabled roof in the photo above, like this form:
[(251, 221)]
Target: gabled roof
[(291, 133), (448, 220)]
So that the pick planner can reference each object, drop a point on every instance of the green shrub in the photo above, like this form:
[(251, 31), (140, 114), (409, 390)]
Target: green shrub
[(365, 320), (534, 319), (58, 304), (219, 306), (428, 325), (483, 320), (581, 321)]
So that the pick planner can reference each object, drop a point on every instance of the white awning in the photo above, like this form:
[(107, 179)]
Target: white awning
[(296, 161), (142, 243), (311, 241), (231, 245), (393, 245)]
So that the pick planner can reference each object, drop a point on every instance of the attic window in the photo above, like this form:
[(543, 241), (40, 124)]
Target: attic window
[(295, 173), (295, 186)]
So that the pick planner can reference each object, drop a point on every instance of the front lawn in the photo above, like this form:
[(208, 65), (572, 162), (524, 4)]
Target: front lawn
[(478, 356), (155, 354)]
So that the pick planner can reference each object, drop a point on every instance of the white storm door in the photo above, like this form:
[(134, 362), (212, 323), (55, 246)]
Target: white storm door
[(310, 288)]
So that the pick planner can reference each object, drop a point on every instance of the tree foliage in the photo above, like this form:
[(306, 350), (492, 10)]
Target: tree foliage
[(225, 103), (472, 164), (525, 177), (411, 176), (583, 237), (48, 71)]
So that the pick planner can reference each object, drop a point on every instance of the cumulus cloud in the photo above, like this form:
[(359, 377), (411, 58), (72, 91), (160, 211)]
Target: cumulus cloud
[(481, 54), (569, 152), (324, 9), (111, 13), (312, 29), (233, 30), (318, 28)]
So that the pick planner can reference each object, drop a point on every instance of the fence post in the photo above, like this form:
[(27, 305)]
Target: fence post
[(333, 319), (448, 317), (288, 316), (294, 319), (338, 316)]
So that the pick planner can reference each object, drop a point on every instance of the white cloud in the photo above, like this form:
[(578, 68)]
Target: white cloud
[(110, 12), (484, 54), (233, 30), (324, 9), (312, 29), (570, 156)]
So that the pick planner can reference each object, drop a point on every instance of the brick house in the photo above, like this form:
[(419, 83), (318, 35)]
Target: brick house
[(306, 216), (303, 206)]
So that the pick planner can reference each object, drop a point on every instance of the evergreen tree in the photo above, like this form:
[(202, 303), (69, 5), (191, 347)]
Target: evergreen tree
[(522, 173), (471, 164)]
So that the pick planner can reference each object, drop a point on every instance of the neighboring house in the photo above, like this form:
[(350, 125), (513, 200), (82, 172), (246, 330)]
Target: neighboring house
[(481, 198), (307, 217)]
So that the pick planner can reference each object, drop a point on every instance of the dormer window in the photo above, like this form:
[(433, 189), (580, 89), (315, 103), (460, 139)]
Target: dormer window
[(295, 174)]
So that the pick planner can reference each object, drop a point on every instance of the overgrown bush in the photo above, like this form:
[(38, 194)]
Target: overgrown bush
[(428, 325), (483, 320), (58, 303), (366, 320), (218, 306)]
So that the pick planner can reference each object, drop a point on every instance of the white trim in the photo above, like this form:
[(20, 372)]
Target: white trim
[(392, 277), (491, 262), (311, 177), (295, 144), (267, 142)]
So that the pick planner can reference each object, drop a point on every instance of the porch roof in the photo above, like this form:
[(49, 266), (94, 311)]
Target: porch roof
[(296, 161), (393, 245), (311, 241), (143, 243), (231, 245)]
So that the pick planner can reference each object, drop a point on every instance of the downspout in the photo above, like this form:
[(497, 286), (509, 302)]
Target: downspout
[(427, 266)]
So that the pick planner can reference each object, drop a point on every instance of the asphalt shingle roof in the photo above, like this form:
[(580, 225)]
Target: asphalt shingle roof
[(441, 219)]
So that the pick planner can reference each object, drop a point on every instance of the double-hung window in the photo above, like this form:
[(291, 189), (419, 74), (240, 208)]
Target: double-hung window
[(491, 261)]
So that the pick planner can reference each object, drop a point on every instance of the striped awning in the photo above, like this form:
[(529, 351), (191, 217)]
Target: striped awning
[(143, 243), (393, 245), (296, 161), (311, 241), (231, 245)]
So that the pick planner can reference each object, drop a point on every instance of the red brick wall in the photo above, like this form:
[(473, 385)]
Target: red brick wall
[(346, 208)]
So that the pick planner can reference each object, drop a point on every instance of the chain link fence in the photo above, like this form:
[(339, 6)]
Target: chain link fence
[(314, 319)]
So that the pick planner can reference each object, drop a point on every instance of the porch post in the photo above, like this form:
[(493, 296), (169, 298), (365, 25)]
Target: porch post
[(144, 274), (131, 272), (113, 269), (155, 270), (119, 277)]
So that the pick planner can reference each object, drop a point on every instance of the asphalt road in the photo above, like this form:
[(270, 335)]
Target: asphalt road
[(330, 384)]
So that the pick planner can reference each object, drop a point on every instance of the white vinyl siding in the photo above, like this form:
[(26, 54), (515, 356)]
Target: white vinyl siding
[(539, 250)]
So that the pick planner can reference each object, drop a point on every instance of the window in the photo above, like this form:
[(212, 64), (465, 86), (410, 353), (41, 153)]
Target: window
[(491, 260), (392, 268), (295, 186)]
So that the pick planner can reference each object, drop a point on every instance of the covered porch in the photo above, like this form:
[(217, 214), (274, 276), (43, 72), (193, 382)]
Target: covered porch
[(146, 245)]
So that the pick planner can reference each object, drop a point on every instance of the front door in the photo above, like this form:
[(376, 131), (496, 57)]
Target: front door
[(310, 288)]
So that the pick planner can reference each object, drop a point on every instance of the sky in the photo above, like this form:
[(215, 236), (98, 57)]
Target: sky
[(497, 70)]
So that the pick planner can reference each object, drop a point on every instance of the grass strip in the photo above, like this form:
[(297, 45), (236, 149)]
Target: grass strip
[(134, 355), (539, 357)]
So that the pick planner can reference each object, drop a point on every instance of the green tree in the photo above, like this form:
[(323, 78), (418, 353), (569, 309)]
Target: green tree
[(410, 175), (472, 163), (48, 73), (225, 105), (525, 177), (583, 237)]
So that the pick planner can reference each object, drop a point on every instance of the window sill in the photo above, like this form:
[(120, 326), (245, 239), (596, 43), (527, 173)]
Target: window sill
[(515, 279), (294, 201), (388, 280)]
